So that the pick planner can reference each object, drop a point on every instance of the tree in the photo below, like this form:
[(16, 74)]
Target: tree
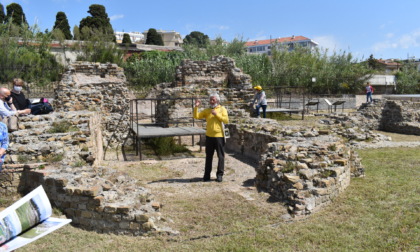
[(126, 39), (76, 32), (15, 15), (154, 38), (62, 24), (19, 56), (408, 79), (2, 15), (374, 63), (197, 38), (98, 23)]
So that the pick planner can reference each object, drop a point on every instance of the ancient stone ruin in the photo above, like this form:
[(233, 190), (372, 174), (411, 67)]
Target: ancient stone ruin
[(303, 167), (306, 168), (67, 163), (219, 72)]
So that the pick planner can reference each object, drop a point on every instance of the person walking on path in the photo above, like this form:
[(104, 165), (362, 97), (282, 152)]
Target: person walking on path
[(369, 92), (215, 117), (261, 101)]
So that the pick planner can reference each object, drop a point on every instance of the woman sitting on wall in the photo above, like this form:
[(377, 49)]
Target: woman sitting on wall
[(19, 99)]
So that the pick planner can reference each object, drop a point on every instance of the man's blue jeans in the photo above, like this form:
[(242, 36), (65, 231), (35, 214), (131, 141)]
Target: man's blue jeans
[(264, 107), (369, 97)]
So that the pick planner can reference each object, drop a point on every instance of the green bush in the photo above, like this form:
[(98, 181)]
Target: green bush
[(26, 54), (164, 146)]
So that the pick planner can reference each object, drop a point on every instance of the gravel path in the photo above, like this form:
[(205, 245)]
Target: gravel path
[(239, 177)]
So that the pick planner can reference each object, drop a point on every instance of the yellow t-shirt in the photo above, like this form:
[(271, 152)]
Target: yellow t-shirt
[(214, 122)]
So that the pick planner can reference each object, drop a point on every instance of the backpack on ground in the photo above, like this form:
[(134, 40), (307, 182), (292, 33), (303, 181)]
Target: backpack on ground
[(42, 107)]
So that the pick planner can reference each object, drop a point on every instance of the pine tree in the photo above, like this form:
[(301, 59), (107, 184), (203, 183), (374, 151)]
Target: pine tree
[(61, 23), (15, 14), (197, 38), (98, 23), (154, 38), (2, 15), (126, 39)]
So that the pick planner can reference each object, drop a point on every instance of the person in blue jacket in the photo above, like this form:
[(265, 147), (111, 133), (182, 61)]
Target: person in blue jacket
[(4, 143)]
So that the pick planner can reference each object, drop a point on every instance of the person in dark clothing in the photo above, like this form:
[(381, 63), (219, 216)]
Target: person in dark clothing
[(19, 99)]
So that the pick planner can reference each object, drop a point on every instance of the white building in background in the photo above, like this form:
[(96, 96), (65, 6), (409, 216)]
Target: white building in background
[(264, 46), (170, 38), (136, 37), (383, 83)]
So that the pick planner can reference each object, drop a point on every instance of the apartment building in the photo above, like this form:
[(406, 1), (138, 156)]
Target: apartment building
[(288, 43), (136, 37)]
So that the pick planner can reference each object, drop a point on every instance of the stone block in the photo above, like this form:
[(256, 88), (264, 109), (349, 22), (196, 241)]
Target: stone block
[(124, 225), (110, 209), (142, 217), (156, 205), (123, 209), (148, 226), (135, 226), (291, 178), (320, 191), (342, 162), (77, 191), (86, 214), (97, 201), (93, 191), (298, 186)]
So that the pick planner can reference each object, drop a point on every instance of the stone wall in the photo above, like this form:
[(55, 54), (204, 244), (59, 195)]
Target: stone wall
[(167, 111), (70, 137), (304, 167), (99, 199), (220, 71), (96, 87), (62, 151), (94, 197), (387, 115)]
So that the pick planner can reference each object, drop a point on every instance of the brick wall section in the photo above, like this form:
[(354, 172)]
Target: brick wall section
[(306, 168), (220, 71), (94, 197), (95, 202), (397, 116), (89, 97), (96, 87)]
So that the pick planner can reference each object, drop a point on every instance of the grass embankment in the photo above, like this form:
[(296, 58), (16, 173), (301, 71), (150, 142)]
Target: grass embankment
[(380, 212)]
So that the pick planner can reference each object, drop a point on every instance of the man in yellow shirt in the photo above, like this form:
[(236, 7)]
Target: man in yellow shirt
[(215, 116)]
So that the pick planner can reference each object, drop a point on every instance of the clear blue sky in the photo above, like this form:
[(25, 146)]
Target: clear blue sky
[(384, 28)]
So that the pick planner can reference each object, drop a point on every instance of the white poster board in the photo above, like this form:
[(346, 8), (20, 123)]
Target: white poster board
[(27, 220)]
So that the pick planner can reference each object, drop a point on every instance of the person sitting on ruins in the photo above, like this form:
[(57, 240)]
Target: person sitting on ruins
[(215, 117), (8, 111), (261, 101), (4, 143), (19, 99)]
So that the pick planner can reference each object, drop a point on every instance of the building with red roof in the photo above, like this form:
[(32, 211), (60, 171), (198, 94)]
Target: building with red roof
[(289, 43)]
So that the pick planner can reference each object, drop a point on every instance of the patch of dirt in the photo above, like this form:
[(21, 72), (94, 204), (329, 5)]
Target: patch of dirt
[(184, 179)]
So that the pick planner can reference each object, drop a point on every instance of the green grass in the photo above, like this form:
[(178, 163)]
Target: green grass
[(62, 127), (380, 212)]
